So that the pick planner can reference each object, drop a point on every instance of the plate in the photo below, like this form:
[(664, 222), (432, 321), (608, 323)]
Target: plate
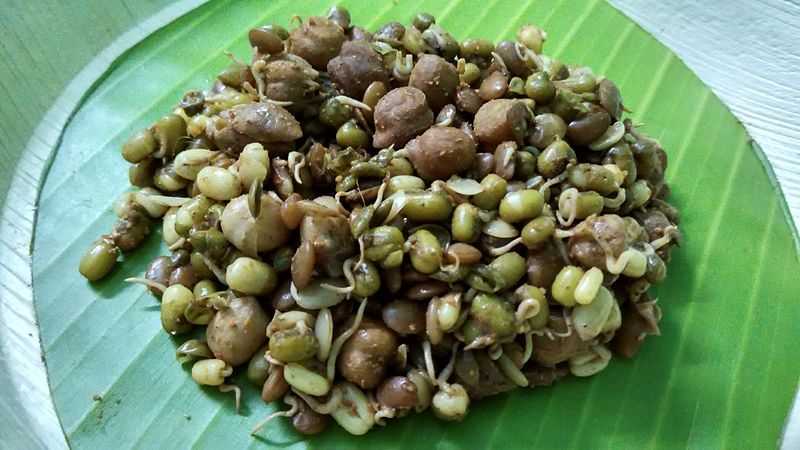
[(722, 373)]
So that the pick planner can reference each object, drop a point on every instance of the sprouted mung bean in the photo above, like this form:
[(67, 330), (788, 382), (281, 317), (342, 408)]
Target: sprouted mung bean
[(369, 223)]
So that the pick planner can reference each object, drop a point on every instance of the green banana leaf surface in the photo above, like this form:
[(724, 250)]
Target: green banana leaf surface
[(722, 374)]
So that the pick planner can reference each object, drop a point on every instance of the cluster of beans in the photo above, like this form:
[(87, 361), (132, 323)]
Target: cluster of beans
[(374, 223)]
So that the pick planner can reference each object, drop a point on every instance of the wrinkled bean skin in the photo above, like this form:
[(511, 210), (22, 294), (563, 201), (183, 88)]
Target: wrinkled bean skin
[(331, 240), (366, 356), (401, 115), (586, 247), (501, 120), (317, 41), (287, 81), (237, 331), (355, 68), (436, 78), (265, 122), (441, 152)]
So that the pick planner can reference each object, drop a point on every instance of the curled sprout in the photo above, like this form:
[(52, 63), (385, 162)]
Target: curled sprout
[(528, 352), (554, 181), (336, 347), (177, 244), (329, 406), (347, 270), (297, 161), (289, 400), (497, 251), (669, 232), (448, 369), (573, 196), (232, 388), (616, 202)]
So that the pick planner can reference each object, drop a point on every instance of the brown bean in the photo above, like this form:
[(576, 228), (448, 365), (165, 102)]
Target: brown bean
[(282, 299), (447, 116), (230, 141), (484, 164), (391, 33), (401, 115), (404, 316), (436, 78), (303, 265), (427, 290), (501, 120), (549, 352), (340, 16), (441, 152), (544, 376), (159, 270), (462, 253), (374, 92), (493, 86), (544, 263), (466, 127), (392, 279), (265, 122), (490, 379), (587, 129), (398, 393), (317, 40), (276, 386), (141, 173), (130, 231), (610, 98), (654, 223), (288, 81), (504, 160), (359, 34), (412, 276), (593, 235), (468, 100), (331, 239), (366, 356), (307, 421), (508, 51), (630, 335), (184, 275), (265, 40), (291, 213), (356, 67), (237, 331)]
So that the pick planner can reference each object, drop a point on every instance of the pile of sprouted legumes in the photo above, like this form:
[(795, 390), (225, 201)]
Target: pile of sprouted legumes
[(370, 223)]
